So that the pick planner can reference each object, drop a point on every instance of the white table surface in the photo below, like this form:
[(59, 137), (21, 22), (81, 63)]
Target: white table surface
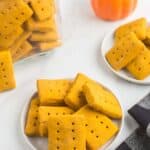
[(82, 36)]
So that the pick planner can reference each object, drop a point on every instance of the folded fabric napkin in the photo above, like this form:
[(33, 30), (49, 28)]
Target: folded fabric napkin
[(140, 138)]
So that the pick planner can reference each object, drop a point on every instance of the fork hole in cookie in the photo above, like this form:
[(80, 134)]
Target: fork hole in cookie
[(73, 123), (92, 131), (2, 63), (58, 123), (73, 138), (34, 124), (86, 124), (101, 122), (107, 127), (48, 114), (97, 136), (58, 147), (58, 138), (74, 148), (72, 130), (36, 118), (58, 131), (22, 13)]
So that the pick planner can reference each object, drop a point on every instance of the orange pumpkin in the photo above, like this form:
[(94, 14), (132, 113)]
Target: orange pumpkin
[(113, 9)]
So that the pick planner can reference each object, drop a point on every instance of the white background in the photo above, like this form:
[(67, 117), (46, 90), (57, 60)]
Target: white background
[(82, 36)]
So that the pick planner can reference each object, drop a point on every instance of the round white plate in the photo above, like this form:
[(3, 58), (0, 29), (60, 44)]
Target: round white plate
[(107, 43), (40, 143)]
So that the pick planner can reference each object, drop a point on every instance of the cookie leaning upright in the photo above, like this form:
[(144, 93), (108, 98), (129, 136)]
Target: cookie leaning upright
[(124, 51), (67, 132), (100, 99), (140, 66), (7, 79), (138, 27), (99, 128), (32, 123), (52, 92), (75, 98)]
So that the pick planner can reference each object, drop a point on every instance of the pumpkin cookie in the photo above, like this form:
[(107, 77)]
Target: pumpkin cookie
[(43, 9), (67, 132), (140, 66), (138, 27), (45, 112), (99, 128), (52, 92), (44, 37), (100, 99), (32, 123), (22, 51), (41, 26), (7, 79), (124, 51), (75, 98)]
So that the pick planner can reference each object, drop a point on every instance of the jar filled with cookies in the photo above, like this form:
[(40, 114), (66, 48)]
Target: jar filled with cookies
[(28, 27)]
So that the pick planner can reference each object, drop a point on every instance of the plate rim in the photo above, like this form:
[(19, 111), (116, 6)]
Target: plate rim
[(24, 116), (103, 52)]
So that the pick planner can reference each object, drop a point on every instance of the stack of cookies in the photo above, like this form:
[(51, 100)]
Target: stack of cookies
[(27, 27), (74, 114), (131, 50)]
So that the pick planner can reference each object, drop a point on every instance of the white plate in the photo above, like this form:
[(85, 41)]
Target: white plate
[(40, 143), (107, 43)]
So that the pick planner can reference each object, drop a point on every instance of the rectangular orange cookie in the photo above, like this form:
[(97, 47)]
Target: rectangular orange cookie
[(41, 26), (17, 44), (99, 128), (32, 122), (138, 27), (13, 13), (44, 37), (140, 66), (43, 9), (22, 51), (75, 97), (45, 46), (66, 132), (7, 79), (124, 51), (7, 40), (52, 92), (46, 111)]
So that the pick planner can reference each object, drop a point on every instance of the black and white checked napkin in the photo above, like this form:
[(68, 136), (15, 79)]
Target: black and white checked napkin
[(140, 138)]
